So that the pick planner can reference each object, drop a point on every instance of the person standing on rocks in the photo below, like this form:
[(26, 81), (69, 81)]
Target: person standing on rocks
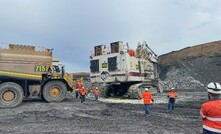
[(147, 98), (211, 111), (96, 93), (172, 98), (83, 93)]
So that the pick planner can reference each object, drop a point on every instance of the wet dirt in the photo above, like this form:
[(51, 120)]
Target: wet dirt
[(71, 116)]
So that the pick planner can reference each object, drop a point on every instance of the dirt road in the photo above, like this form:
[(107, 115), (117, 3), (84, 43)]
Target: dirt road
[(70, 116)]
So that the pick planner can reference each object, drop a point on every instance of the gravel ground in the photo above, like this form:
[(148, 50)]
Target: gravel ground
[(106, 116)]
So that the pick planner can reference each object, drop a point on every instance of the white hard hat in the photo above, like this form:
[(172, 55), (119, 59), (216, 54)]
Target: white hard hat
[(214, 88), (82, 87), (96, 87), (172, 88), (146, 89)]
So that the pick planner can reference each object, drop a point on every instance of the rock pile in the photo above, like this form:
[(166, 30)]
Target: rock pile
[(191, 72)]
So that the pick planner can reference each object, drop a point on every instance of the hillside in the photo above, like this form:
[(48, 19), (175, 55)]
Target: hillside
[(191, 67)]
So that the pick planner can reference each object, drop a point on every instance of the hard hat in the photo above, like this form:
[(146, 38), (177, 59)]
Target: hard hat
[(146, 89), (214, 88), (96, 87), (82, 87), (172, 88)]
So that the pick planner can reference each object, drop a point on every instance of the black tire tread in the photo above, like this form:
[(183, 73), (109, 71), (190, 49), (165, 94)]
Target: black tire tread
[(20, 94), (47, 87)]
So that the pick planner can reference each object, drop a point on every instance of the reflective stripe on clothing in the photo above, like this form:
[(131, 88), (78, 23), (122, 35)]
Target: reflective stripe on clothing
[(212, 129), (172, 94), (214, 119), (211, 115), (147, 97)]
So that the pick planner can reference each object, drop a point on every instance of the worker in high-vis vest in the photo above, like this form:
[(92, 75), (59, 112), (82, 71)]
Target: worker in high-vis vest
[(96, 93), (147, 98), (172, 98), (211, 111), (83, 93)]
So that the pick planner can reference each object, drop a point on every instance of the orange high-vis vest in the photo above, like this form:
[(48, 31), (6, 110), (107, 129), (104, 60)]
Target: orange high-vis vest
[(83, 92), (211, 115), (172, 94), (96, 91), (80, 90), (147, 97)]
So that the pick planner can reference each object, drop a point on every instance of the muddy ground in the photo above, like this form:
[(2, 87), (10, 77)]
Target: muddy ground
[(71, 116)]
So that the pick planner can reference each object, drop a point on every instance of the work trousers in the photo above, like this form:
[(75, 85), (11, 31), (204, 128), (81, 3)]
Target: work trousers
[(82, 98), (77, 94), (96, 96), (171, 104), (147, 109)]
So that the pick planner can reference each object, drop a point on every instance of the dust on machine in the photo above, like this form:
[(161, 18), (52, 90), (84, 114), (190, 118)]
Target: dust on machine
[(122, 71), (29, 73)]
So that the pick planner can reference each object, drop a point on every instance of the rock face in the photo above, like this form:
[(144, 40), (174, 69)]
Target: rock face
[(192, 67)]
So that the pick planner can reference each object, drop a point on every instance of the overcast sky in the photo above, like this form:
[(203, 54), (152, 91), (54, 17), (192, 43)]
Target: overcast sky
[(73, 27)]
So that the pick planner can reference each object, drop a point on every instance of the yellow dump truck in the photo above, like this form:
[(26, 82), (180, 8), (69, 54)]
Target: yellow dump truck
[(27, 72)]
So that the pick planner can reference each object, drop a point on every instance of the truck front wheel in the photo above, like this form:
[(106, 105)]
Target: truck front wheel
[(11, 95), (54, 91)]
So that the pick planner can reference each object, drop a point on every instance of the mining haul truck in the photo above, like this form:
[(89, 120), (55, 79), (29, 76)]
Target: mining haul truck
[(122, 71), (29, 73)]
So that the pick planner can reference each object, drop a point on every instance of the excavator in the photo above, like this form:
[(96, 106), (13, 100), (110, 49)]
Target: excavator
[(122, 71)]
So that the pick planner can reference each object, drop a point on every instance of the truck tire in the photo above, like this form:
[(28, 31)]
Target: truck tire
[(54, 91), (11, 95)]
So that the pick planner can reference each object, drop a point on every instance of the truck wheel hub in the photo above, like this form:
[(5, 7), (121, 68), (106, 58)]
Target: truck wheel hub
[(8, 95), (55, 92)]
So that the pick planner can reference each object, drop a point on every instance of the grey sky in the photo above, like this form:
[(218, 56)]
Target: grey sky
[(73, 27)]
